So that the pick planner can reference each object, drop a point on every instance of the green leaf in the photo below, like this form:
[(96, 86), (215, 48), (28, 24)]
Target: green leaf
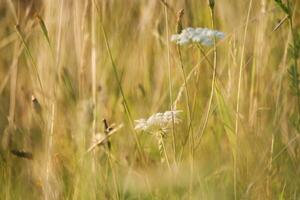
[(227, 119), (283, 6)]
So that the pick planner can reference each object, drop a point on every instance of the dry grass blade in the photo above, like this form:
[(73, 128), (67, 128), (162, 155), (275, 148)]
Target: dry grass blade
[(235, 77), (280, 23), (44, 29), (18, 30), (100, 142)]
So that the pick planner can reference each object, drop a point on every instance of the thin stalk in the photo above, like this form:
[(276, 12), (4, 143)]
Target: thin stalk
[(11, 118), (205, 56), (49, 151), (46, 34), (270, 168), (238, 101), (109, 156), (190, 130), (164, 149), (55, 57), (187, 100), (30, 56), (170, 78), (213, 82), (51, 119), (93, 66), (295, 60), (128, 113), (13, 88), (120, 86), (94, 77)]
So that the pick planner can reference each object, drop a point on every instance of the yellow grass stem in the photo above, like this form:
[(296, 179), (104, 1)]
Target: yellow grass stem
[(35, 68), (126, 106), (238, 99), (170, 77)]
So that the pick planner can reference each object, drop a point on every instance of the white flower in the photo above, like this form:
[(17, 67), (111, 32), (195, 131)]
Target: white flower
[(204, 36), (158, 121)]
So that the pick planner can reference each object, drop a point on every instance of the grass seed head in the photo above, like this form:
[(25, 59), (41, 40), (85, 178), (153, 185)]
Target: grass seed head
[(179, 25)]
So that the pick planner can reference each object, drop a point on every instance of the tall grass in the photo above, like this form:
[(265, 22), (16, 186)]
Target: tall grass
[(72, 72)]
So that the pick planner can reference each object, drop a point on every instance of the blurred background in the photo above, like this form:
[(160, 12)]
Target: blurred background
[(58, 82)]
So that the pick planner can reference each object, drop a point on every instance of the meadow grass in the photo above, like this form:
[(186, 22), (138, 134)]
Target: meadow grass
[(75, 76)]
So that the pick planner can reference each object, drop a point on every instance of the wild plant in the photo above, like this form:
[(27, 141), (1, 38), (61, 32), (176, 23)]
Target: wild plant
[(294, 52)]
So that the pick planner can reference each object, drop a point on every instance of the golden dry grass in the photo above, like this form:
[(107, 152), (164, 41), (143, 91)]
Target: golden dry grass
[(67, 65)]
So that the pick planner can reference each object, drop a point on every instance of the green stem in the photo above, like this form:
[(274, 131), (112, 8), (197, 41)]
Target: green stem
[(161, 135), (127, 110), (213, 82), (191, 137), (295, 60)]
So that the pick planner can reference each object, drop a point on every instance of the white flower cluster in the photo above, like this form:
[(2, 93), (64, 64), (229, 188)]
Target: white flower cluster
[(158, 121), (204, 36)]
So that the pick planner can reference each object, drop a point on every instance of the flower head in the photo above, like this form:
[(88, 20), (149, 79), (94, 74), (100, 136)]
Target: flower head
[(204, 36), (158, 121)]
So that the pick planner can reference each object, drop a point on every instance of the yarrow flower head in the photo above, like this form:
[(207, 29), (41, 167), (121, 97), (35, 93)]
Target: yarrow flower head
[(203, 36), (158, 121)]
